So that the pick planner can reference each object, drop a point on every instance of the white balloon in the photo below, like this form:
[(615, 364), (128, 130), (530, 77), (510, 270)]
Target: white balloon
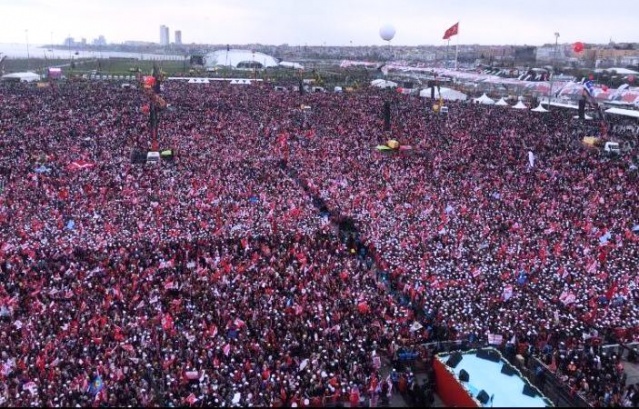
[(387, 32)]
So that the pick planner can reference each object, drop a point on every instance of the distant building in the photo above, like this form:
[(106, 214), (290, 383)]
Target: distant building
[(164, 35), (178, 37), (83, 41), (69, 42), (551, 53), (138, 43), (100, 41), (525, 54)]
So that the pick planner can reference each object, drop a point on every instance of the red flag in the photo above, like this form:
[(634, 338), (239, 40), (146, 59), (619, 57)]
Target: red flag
[(191, 399), (80, 164), (453, 30)]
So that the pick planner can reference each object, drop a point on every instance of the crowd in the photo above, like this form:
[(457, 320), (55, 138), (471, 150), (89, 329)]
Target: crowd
[(214, 279)]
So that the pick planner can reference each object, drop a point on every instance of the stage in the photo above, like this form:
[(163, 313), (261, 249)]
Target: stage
[(485, 373)]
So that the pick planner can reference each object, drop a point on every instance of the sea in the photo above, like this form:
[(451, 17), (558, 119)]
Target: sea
[(40, 51)]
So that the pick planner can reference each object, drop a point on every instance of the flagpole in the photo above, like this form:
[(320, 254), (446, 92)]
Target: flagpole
[(456, 50), (457, 45), (447, 45)]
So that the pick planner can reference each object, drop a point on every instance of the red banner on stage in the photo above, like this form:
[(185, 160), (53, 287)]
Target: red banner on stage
[(449, 389)]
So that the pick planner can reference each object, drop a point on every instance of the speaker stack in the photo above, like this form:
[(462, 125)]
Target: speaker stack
[(483, 397), (454, 359)]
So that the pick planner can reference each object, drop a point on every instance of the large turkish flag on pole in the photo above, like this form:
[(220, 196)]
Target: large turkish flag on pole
[(453, 30)]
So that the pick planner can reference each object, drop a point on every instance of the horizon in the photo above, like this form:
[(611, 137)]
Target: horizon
[(318, 23)]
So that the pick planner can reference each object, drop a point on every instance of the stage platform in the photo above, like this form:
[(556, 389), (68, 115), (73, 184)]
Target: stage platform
[(485, 373)]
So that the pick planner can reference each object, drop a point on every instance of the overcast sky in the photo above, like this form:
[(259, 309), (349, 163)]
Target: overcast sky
[(318, 22)]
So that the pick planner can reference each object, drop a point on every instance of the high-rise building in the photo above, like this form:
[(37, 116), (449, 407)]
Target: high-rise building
[(164, 35), (100, 41), (178, 37)]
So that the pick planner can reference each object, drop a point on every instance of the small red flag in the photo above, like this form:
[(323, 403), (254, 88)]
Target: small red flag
[(453, 30)]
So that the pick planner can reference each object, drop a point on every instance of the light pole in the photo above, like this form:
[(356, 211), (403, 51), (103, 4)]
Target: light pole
[(26, 35), (554, 61)]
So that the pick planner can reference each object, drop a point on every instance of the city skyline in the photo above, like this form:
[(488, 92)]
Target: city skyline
[(315, 22)]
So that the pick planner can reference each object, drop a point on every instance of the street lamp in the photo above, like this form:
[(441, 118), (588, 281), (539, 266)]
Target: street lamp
[(554, 61), (26, 35)]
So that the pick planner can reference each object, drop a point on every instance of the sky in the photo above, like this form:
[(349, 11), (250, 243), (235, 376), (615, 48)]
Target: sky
[(320, 22)]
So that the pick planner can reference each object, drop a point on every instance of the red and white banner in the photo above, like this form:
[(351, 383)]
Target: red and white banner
[(80, 164)]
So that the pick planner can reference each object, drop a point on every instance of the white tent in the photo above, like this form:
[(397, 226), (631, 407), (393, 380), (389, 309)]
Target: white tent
[(520, 105), (538, 109), (448, 94), (22, 76), (239, 59), (380, 83), (502, 102), (288, 64), (485, 99), (586, 117)]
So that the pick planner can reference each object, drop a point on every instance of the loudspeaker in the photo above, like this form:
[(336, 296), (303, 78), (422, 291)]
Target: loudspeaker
[(507, 370), (387, 114), (483, 397), (529, 391), (463, 376), (488, 354), (454, 359), (301, 86), (582, 108)]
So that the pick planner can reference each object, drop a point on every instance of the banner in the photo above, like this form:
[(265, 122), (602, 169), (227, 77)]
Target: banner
[(508, 292), (495, 339)]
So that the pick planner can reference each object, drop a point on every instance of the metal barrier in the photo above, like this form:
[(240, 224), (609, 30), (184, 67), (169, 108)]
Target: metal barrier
[(548, 382)]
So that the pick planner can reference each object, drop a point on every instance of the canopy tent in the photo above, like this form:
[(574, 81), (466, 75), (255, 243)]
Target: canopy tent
[(380, 83), (502, 102), (448, 94), (520, 105), (240, 81), (538, 109), (22, 76), (624, 112), (198, 81), (485, 99)]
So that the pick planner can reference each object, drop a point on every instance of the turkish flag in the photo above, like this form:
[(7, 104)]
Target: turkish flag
[(453, 30)]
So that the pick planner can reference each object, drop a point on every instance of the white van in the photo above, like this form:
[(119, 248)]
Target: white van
[(153, 157), (612, 148)]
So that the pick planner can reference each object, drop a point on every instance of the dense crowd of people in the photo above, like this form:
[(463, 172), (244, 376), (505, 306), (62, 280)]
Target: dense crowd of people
[(215, 279)]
